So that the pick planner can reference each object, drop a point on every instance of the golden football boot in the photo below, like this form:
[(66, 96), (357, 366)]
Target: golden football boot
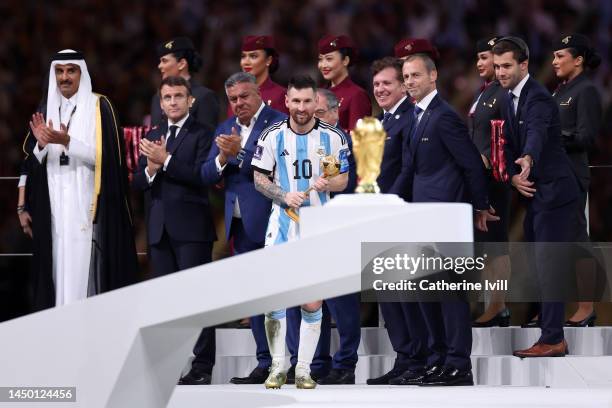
[(277, 377), (303, 381)]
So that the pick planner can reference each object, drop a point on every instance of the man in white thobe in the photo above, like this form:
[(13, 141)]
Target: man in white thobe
[(81, 156)]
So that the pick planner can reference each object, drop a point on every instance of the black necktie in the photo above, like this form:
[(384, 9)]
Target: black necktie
[(511, 107), (171, 138)]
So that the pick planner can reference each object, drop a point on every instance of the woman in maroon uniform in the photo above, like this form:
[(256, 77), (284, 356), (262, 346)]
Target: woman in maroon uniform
[(259, 58), (336, 54)]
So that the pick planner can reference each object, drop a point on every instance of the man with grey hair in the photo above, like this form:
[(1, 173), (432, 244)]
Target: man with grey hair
[(327, 110), (246, 209), (445, 166), (327, 107), (343, 309)]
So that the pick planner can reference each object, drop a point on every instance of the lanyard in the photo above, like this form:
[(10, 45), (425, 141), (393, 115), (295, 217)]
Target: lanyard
[(69, 119)]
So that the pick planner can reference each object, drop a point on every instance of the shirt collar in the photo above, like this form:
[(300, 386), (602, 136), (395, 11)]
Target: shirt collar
[(424, 103), (69, 101), (180, 123), (254, 118), (519, 87), (397, 105)]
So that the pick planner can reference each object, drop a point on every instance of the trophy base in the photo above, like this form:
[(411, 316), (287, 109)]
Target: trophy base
[(354, 200), (368, 188)]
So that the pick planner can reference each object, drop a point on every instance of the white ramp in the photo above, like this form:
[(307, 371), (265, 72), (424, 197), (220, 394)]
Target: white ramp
[(126, 348)]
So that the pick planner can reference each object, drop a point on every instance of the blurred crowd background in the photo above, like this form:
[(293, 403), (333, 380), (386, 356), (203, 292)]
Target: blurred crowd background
[(119, 40)]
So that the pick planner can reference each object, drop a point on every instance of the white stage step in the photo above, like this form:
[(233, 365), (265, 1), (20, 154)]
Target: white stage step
[(362, 396), (493, 364), (568, 371), (588, 341)]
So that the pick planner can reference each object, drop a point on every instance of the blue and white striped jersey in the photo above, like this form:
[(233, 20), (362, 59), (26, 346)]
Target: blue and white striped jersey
[(293, 159)]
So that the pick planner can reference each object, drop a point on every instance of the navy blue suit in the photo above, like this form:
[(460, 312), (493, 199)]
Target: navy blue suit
[(179, 207), (535, 130), (248, 232), (351, 185), (344, 309), (446, 167), (180, 229), (394, 177), (403, 320)]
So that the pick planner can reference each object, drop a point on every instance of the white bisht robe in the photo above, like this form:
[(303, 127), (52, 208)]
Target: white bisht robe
[(71, 187)]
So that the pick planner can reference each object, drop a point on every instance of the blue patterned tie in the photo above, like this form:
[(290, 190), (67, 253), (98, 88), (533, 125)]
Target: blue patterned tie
[(511, 104), (386, 117), (415, 123)]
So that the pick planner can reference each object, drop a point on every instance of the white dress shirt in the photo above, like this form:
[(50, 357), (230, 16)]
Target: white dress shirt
[(245, 132), (516, 92), (394, 108), (424, 103)]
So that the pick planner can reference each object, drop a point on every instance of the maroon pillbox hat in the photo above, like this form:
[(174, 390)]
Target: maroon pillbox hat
[(261, 42), (409, 46), (257, 42), (331, 43)]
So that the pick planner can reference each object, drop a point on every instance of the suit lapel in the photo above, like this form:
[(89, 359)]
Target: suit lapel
[(422, 124), (396, 117), (521, 102), (163, 130), (262, 122)]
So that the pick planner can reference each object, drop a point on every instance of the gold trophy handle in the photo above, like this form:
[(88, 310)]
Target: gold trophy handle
[(291, 212)]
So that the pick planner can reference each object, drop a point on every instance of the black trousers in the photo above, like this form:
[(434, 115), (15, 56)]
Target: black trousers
[(551, 263), (169, 256)]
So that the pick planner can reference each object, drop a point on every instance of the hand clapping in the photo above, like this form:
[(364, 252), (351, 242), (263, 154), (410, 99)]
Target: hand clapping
[(45, 134)]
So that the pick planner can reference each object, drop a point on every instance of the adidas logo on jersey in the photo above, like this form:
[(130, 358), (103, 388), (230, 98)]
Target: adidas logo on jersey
[(284, 153)]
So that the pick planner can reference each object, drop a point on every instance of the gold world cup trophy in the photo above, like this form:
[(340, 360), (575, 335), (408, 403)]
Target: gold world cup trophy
[(330, 167), (368, 147)]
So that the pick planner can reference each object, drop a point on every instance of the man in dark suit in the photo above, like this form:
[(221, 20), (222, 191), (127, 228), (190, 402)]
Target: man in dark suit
[(246, 210), (487, 106), (540, 170), (345, 310), (180, 230), (328, 111), (397, 119), (445, 167), (403, 320)]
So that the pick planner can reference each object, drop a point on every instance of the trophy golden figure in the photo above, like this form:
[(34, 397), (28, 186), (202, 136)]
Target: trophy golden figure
[(330, 167), (368, 147)]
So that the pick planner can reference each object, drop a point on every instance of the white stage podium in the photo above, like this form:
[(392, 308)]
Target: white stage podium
[(126, 348)]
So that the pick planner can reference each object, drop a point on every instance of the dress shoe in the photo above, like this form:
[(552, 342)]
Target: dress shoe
[(415, 377), (544, 350), (338, 376), (257, 376), (501, 319), (531, 324), (588, 321), (291, 375), (449, 376), (195, 377), (384, 379)]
